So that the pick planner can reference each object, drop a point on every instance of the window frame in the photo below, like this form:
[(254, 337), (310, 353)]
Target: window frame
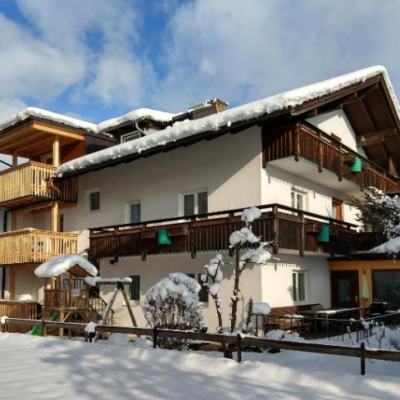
[(296, 287), (128, 209), (196, 201), (89, 194), (297, 193), (131, 300), (126, 135), (338, 205)]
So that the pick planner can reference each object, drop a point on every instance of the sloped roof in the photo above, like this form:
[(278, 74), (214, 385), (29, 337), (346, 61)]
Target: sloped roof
[(283, 102)]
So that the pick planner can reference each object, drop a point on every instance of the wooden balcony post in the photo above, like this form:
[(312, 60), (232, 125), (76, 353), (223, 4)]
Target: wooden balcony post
[(302, 247), (54, 217), (56, 151), (320, 153), (14, 159), (340, 169), (297, 143), (275, 245), (14, 220), (12, 283)]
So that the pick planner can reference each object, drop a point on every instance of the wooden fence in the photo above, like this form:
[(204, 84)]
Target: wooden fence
[(238, 341), (25, 310)]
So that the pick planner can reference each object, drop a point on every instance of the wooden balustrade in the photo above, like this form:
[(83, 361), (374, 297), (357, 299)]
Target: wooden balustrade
[(30, 181), (310, 144), (285, 226), (34, 246), (56, 299), (18, 309)]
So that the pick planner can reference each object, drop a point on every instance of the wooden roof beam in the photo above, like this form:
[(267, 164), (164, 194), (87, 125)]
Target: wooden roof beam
[(371, 138), (368, 116)]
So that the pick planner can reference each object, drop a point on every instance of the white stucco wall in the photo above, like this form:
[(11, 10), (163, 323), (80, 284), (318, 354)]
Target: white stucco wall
[(229, 168), (157, 267), (277, 280), (336, 122)]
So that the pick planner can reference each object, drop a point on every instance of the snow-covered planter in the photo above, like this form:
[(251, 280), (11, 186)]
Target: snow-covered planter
[(173, 303)]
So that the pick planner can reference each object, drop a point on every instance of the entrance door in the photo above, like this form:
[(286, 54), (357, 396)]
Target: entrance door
[(344, 289)]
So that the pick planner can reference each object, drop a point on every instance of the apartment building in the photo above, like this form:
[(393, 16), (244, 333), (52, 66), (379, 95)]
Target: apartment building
[(167, 189)]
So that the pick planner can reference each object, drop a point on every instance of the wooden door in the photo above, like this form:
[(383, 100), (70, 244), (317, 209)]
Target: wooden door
[(344, 289)]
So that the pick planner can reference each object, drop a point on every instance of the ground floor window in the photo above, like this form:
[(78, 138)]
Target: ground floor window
[(135, 288), (203, 294), (299, 286), (386, 286)]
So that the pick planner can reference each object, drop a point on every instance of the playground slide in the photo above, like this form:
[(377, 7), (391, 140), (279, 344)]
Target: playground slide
[(37, 330)]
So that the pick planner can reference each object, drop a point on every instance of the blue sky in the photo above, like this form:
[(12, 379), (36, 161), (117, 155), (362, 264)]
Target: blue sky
[(96, 59)]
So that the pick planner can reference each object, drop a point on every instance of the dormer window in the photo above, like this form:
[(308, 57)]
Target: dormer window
[(130, 136)]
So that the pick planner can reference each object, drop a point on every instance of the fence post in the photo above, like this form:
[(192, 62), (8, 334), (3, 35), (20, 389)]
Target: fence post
[(43, 327), (239, 347), (155, 335), (362, 358)]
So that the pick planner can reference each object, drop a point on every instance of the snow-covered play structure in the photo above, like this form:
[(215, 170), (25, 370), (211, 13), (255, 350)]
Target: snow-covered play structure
[(70, 293)]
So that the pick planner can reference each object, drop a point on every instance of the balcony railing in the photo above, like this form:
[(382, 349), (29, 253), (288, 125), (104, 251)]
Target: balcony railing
[(288, 228), (306, 142), (33, 246), (29, 183)]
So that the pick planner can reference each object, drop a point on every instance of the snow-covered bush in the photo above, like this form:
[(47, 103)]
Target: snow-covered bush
[(379, 211), (173, 303)]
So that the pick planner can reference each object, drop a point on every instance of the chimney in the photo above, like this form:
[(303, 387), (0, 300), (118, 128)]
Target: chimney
[(207, 108)]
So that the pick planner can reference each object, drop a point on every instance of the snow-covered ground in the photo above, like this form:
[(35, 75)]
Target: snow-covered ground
[(48, 368)]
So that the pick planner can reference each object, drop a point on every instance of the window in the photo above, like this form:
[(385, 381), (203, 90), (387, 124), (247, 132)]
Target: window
[(298, 200), (93, 200), (386, 286), (203, 294), (299, 289), (337, 209), (135, 212), (135, 288), (195, 203), (130, 136)]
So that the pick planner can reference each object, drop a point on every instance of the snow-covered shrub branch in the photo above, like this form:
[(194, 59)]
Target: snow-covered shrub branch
[(173, 303)]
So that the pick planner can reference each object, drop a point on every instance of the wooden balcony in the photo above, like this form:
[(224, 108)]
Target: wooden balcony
[(21, 310), (34, 246), (29, 183), (288, 228), (306, 143)]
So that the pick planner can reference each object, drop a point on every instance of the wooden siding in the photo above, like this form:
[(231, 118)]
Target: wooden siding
[(34, 246), (29, 183), (286, 227), (308, 143)]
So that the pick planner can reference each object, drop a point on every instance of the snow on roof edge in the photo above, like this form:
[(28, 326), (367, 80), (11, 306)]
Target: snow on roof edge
[(48, 115), (61, 264), (246, 112)]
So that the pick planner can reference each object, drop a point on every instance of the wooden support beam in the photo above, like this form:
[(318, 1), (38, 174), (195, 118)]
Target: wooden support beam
[(372, 138), (368, 116), (12, 283), (54, 217), (14, 159), (14, 220), (56, 151)]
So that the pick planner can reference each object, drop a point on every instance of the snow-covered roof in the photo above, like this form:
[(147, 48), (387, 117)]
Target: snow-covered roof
[(392, 246), (135, 115), (61, 264), (47, 115), (250, 111)]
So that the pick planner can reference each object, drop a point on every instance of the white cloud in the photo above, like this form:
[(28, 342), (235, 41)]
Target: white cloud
[(243, 50)]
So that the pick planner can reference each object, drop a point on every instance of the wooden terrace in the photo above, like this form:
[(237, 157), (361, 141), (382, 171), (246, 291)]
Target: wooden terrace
[(288, 228)]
